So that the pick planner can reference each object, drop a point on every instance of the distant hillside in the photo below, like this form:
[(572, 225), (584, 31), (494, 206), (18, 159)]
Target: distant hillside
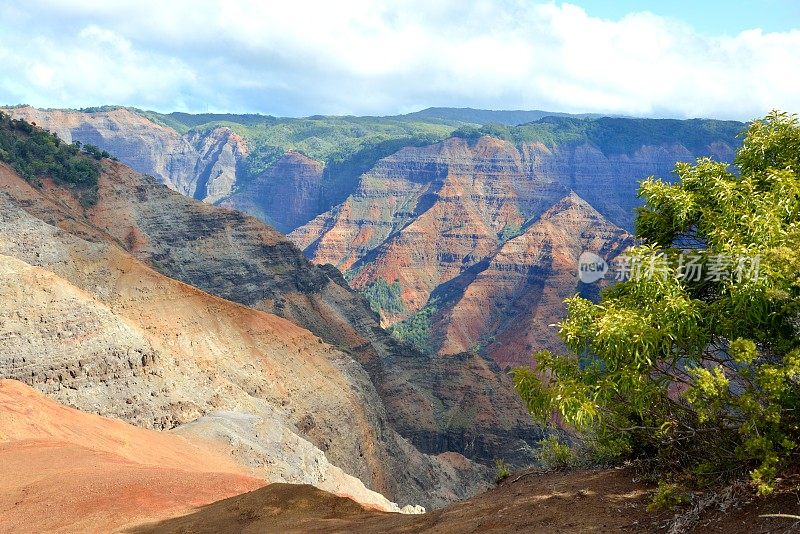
[(472, 243), (487, 116), (612, 135)]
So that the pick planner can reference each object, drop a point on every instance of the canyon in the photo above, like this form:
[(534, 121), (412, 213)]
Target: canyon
[(481, 237), (168, 313), (434, 222), (156, 315)]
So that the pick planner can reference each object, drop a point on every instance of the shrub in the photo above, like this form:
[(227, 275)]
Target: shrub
[(699, 374), (384, 297), (667, 497), (503, 471), (553, 454), (510, 232), (416, 330)]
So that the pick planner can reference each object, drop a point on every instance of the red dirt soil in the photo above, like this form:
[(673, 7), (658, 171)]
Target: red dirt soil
[(595, 500), (583, 501), (64, 470)]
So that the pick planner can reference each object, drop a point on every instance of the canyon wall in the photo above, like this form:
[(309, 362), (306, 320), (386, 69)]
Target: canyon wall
[(450, 223)]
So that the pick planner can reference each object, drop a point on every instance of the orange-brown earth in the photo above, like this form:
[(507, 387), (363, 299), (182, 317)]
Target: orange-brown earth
[(594, 500), (62, 470), (442, 221), (520, 291), (118, 358), (582, 501)]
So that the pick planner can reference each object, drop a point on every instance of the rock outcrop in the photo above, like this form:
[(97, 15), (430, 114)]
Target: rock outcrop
[(220, 152)]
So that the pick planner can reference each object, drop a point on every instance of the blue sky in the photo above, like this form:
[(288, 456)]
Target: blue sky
[(732, 59), (711, 17)]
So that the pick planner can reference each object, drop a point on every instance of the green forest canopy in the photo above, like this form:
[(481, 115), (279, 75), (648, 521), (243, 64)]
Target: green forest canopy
[(35, 153)]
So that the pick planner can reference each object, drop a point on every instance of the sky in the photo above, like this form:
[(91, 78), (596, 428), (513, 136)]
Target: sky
[(732, 60)]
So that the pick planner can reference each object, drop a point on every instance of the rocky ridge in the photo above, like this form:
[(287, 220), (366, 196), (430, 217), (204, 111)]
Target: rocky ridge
[(507, 304), (132, 344)]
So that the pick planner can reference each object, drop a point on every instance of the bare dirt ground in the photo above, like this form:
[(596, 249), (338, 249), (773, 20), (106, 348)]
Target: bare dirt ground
[(599, 500), (585, 501), (746, 515), (66, 471)]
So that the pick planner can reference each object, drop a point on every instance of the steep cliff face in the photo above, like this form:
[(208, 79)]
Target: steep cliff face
[(436, 215), (235, 256), (454, 177), (199, 165), (220, 152), (506, 306), (96, 329), (286, 195)]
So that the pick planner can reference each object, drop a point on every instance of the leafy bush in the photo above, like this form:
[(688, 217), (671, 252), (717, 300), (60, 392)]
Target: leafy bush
[(416, 330), (384, 297), (34, 153), (667, 497), (510, 232), (503, 471), (553, 454), (699, 374)]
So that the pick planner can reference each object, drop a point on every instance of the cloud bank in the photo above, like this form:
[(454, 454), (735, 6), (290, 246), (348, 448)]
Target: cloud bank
[(371, 57)]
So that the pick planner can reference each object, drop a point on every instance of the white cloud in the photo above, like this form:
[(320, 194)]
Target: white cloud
[(376, 57)]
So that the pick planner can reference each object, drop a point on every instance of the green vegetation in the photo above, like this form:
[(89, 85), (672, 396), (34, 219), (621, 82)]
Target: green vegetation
[(553, 454), (35, 153), (384, 297), (349, 146), (701, 377), (416, 330), (348, 142), (610, 135), (502, 470), (510, 232), (668, 496)]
